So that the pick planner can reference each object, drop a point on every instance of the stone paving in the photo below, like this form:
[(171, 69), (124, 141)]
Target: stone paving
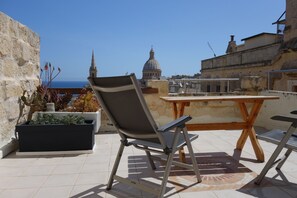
[(225, 172)]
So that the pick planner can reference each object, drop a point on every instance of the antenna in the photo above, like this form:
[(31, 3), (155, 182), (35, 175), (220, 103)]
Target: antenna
[(214, 54)]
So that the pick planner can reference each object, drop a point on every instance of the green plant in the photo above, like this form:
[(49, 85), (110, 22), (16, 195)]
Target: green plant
[(85, 102), (43, 94), (42, 119)]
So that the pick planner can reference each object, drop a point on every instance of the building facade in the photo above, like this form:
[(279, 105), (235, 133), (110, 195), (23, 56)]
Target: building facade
[(263, 61)]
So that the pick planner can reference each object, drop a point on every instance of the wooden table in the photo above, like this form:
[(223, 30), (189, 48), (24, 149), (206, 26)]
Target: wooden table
[(248, 117)]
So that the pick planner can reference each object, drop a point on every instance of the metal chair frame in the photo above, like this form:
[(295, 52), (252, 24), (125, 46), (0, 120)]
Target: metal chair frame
[(283, 139), (142, 141)]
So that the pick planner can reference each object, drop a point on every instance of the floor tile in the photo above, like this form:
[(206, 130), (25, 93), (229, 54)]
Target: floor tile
[(54, 192), (28, 182), (92, 178), (60, 180), (96, 191), (19, 193)]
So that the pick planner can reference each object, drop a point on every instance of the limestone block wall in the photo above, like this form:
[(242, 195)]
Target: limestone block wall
[(283, 106), (201, 112), (206, 112), (241, 58), (291, 20), (19, 70), (160, 110)]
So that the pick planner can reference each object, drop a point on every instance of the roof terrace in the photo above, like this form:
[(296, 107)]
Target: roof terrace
[(226, 172)]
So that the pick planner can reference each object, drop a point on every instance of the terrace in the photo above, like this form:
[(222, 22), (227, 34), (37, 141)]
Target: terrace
[(226, 172)]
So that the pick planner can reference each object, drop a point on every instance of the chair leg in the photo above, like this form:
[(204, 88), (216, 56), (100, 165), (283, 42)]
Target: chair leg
[(268, 165), (166, 175), (148, 154), (275, 154), (191, 152), (115, 166), (281, 163), (169, 163)]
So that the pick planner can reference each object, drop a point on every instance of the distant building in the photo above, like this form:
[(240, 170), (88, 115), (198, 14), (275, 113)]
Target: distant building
[(151, 68), (93, 68), (263, 61)]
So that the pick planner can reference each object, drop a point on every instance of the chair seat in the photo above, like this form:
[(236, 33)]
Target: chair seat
[(275, 136), (168, 137)]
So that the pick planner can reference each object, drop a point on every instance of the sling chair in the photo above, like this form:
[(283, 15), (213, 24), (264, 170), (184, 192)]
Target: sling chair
[(284, 139), (122, 100)]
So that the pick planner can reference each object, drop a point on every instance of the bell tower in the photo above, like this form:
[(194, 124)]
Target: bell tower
[(93, 68)]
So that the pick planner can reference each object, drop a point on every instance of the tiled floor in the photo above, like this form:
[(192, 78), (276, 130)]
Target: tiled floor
[(86, 175)]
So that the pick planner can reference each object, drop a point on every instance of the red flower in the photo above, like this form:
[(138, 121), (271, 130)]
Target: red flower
[(46, 67)]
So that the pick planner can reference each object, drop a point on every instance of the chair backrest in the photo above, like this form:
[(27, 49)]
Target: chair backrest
[(122, 100)]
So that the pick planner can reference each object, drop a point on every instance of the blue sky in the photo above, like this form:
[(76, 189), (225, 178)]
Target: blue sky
[(121, 32)]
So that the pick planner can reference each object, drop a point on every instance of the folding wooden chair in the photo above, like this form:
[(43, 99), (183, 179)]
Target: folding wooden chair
[(284, 139), (122, 100)]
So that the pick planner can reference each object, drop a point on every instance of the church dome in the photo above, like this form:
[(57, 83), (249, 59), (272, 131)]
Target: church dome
[(151, 68), (151, 63)]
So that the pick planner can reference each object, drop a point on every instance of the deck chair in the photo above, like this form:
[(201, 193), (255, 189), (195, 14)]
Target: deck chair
[(284, 139), (122, 100)]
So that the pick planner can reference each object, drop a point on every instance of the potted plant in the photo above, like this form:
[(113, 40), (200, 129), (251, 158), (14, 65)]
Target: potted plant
[(47, 132), (85, 105), (39, 99)]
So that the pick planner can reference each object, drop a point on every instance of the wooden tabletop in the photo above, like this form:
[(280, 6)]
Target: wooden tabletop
[(244, 98)]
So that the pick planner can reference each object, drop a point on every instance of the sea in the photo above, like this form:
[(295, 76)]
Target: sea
[(69, 84)]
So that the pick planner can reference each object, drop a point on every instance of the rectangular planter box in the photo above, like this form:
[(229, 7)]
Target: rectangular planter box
[(55, 137), (96, 116)]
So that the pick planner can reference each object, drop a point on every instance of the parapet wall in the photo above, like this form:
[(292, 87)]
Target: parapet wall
[(207, 112), (19, 70), (287, 103), (201, 112)]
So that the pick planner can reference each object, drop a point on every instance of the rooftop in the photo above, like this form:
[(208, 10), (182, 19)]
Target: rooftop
[(225, 172)]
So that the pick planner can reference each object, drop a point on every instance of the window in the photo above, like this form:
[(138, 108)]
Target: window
[(218, 88), (208, 88)]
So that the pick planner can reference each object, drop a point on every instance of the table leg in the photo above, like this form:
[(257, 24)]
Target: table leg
[(175, 113), (179, 113), (182, 155), (256, 146), (250, 132), (242, 139)]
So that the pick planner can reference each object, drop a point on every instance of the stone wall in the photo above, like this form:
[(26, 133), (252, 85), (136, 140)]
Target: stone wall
[(291, 20), (19, 70), (286, 103), (256, 56), (205, 112), (201, 112), (216, 112)]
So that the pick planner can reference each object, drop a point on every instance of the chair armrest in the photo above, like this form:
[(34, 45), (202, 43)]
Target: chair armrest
[(294, 112), (176, 123), (283, 118)]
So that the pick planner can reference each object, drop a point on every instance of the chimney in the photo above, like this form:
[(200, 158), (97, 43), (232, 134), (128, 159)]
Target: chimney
[(231, 45), (232, 37)]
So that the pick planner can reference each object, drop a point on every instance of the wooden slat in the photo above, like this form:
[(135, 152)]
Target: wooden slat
[(217, 126), (235, 98)]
